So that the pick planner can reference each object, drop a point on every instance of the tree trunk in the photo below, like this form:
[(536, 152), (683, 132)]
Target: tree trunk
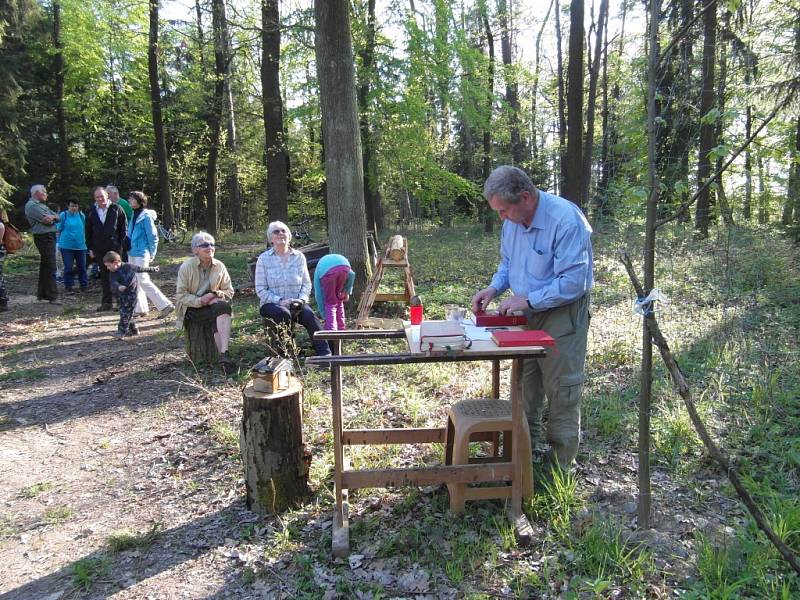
[(344, 177), (234, 190), (486, 212), (538, 168), (573, 183), (646, 379), (368, 73), (748, 167), (62, 191), (724, 207), (763, 210), (275, 459), (274, 139), (505, 12), (167, 214), (215, 116), (703, 209), (199, 343), (594, 73), (794, 177), (562, 111)]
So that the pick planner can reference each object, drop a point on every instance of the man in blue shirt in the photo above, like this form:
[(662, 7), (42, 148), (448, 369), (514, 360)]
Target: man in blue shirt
[(546, 261)]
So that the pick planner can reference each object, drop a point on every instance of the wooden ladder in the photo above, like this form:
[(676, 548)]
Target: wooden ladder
[(371, 294)]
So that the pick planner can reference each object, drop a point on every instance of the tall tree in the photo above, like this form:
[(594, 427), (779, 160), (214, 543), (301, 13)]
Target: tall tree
[(573, 183), (707, 120), (231, 142), (274, 138), (368, 73), (594, 73), (562, 104), (167, 214), (347, 227), (504, 15), (488, 215), (64, 180), (215, 116)]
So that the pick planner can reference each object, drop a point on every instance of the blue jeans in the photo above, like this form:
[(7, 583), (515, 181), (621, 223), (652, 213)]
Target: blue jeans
[(79, 256)]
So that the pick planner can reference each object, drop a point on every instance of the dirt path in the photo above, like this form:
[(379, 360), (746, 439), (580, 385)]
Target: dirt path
[(98, 436)]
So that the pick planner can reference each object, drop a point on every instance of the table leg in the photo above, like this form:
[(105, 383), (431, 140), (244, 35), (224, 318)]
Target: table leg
[(341, 532), (496, 379), (522, 526)]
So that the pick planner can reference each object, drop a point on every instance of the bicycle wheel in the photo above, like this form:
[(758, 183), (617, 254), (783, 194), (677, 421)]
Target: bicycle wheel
[(179, 235)]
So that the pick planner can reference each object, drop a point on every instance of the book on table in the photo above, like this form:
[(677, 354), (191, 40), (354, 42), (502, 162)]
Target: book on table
[(524, 337), (495, 319), (441, 335)]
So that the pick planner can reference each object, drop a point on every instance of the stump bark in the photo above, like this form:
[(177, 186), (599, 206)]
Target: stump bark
[(271, 440), (396, 249), (200, 344)]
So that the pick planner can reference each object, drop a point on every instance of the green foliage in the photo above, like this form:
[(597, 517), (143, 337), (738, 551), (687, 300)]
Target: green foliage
[(124, 539), (87, 571)]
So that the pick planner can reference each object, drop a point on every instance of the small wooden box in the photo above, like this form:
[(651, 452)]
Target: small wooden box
[(271, 374)]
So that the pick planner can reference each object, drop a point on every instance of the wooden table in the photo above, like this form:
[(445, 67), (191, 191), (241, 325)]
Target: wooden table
[(346, 479)]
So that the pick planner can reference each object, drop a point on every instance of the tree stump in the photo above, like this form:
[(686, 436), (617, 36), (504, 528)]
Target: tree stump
[(271, 439), (396, 249), (199, 343)]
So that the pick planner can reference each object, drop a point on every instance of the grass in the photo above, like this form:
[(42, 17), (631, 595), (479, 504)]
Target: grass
[(22, 374), (36, 489), (57, 515), (87, 571), (124, 539)]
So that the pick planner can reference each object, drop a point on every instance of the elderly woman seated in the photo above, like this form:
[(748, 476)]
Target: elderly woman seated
[(283, 285), (203, 294)]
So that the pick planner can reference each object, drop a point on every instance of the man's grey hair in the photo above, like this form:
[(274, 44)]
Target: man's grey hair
[(112, 188), (201, 237), (279, 225), (508, 183), (37, 188)]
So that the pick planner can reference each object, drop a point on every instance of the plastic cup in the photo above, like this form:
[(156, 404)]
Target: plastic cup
[(416, 314)]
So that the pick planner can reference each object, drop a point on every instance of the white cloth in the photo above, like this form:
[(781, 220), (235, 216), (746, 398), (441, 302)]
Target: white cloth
[(101, 213), (147, 289)]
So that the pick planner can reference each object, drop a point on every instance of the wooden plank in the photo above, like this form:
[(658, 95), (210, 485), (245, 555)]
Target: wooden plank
[(391, 297), (361, 360), (360, 437), (427, 475), (392, 264), (358, 334), (340, 535)]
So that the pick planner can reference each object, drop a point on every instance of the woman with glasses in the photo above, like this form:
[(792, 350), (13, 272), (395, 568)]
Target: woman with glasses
[(283, 286), (203, 294)]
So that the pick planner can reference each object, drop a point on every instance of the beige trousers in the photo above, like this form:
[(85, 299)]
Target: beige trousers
[(559, 377)]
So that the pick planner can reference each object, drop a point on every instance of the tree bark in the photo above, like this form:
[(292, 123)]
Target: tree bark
[(487, 213), (707, 130), (594, 73), (215, 116), (724, 206), (562, 110), (275, 142), (505, 15), (573, 183), (167, 214), (344, 177), (538, 167), (763, 210), (62, 191), (199, 343), (748, 167), (368, 73), (275, 459), (231, 143)]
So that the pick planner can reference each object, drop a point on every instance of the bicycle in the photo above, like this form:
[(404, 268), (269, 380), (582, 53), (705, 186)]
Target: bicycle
[(175, 235), (300, 235)]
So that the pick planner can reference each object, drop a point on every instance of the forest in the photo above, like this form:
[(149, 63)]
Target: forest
[(673, 124)]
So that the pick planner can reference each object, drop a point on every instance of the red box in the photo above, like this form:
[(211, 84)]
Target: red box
[(494, 319), (526, 337)]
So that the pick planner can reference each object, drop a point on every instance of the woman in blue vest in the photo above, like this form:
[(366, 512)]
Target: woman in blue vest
[(72, 244)]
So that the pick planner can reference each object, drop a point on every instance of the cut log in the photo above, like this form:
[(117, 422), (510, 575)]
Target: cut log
[(199, 343), (275, 460), (396, 250)]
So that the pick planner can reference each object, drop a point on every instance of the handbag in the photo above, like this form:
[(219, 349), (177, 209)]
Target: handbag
[(12, 239)]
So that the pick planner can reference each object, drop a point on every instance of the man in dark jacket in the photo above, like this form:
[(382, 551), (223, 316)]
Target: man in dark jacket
[(106, 228)]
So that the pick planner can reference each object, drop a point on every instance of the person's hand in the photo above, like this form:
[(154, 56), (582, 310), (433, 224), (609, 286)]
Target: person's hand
[(284, 302), (344, 296), (121, 288), (513, 304), (91, 254), (481, 300), (207, 298), (157, 269)]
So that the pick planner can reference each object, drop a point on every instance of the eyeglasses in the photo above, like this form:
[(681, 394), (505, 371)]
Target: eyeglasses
[(206, 245), (274, 231)]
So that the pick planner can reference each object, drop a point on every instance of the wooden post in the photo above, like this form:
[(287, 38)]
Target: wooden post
[(200, 344), (271, 440)]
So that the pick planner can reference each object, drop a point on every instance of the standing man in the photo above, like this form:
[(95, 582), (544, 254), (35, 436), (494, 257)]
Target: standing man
[(106, 228), (113, 197), (43, 227), (546, 261)]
